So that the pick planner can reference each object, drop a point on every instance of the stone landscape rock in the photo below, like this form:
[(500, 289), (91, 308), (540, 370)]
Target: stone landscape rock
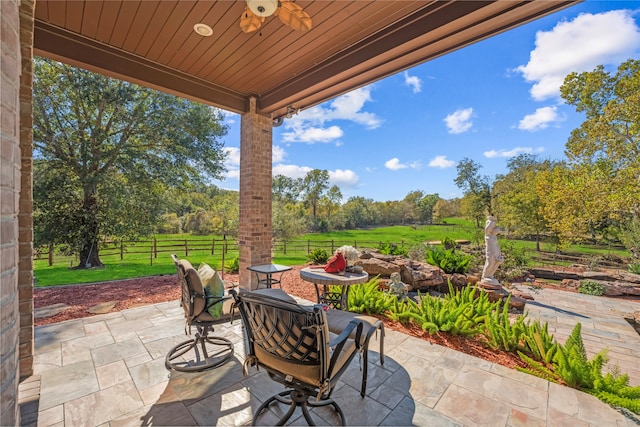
[(376, 267)]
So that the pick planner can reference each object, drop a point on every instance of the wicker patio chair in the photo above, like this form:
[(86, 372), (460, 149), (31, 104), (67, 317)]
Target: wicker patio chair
[(294, 345), (203, 351)]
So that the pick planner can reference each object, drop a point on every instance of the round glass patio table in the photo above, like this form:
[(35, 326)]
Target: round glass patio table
[(320, 278)]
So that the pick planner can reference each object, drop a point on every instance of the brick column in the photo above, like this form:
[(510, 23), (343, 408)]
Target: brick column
[(25, 215), (9, 200), (254, 235)]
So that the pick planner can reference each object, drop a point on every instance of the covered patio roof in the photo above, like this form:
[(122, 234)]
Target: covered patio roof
[(351, 44)]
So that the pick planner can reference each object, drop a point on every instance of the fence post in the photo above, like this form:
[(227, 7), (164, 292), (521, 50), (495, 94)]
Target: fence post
[(222, 267), (121, 250), (355, 244), (332, 247), (308, 246), (186, 248), (151, 257), (284, 247), (213, 246), (50, 254), (155, 248)]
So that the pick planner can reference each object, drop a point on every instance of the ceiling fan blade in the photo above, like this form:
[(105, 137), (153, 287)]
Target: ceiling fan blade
[(249, 21), (292, 15)]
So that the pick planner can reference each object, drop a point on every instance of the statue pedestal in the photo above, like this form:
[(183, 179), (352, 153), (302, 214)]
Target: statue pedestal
[(488, 283)]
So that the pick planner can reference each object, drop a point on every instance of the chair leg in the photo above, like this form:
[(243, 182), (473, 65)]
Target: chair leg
[(203, 358), (295, 398)]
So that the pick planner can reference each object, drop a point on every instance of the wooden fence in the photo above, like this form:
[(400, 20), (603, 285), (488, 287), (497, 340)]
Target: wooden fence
[(218, 248)]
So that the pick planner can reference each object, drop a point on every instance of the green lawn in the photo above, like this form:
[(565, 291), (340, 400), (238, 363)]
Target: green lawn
[(139, 260)]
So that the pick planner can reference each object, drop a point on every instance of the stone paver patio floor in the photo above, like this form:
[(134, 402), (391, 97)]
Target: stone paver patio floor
[(108, 370)]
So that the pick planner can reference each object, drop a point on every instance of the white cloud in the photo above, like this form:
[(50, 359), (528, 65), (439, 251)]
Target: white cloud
[(309, 126), (413, 81), (540, 119), (459, 121), (441, 162), (310, 134), (579, 45), (513, 152), (394, 164), (291, 171), (343, 178), (277, 154), (339, 177)]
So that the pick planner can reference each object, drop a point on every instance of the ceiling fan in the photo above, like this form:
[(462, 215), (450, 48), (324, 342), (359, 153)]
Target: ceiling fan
[(289, 13)]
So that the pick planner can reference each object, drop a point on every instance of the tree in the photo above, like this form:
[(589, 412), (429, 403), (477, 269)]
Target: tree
[(603, 153), (359, 212), (285, 189), (112, 143), (476, 202), (314, 184), (516, 201)]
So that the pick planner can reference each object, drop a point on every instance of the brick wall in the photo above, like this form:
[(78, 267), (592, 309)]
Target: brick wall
[(255, 194), (25, 217), (10, 63)]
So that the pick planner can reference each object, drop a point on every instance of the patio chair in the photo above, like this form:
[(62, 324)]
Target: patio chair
[(294, 345), (339, 319), (203, 351)]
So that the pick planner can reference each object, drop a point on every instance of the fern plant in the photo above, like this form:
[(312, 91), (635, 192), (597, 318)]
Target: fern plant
[(449, 260), (458, 313), (590, 287), (368, 298), (501, 333)]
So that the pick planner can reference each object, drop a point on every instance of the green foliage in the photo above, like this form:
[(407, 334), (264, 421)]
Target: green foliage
[(449, 243), (318, 256), (391, 249), (368, 298), (458, 313), (634, 267), (400, 310), (503, 334), (449, 260), (573, 366), (590, 287), (116, 146), (233, 266), (569, 364)]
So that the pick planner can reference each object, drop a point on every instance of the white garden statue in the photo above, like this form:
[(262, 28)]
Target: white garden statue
[(396, 287), (493, 255)]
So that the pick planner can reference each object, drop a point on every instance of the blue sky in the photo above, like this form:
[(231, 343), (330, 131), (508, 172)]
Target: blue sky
[(488, 102)]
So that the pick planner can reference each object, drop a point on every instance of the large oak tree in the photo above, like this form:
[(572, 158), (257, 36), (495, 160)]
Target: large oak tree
[(104, 152)]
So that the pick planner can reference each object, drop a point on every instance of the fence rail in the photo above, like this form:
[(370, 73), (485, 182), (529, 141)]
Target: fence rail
[(224, 249), (216, 247)]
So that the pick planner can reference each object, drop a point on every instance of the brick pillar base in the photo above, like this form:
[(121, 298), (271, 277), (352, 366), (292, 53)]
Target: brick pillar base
[(254, 234)]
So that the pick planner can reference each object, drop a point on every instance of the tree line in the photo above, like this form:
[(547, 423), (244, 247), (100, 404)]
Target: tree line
[(113, 160)]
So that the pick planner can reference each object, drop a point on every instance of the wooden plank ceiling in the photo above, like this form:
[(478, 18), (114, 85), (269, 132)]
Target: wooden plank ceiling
[(351, 44)]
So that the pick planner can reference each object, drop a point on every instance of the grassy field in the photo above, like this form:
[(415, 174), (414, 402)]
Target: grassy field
[(140, 260)]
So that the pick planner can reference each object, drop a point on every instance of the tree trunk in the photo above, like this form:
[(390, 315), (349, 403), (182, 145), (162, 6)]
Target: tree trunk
[(538, 242), (89, 226)]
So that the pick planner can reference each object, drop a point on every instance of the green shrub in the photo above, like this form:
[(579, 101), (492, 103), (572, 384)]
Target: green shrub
[(501, 333), (461, 312), (318, 256), (449, 260), (590, 287), (233, 266), (634, 267), (569, 364), (367, 298), (391, 249)]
